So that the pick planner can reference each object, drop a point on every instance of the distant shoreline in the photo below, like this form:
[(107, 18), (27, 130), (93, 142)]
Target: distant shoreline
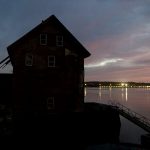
[(117, 84)]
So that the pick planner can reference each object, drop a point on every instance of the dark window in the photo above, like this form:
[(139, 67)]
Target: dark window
[(51, 61), (50, 103), (29, 60), (43, 39), (59, 41)]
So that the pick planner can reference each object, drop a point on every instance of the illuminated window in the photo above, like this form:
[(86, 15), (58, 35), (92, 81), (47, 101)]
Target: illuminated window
[(29, 60), (43, 39), (59, 41), (51, 61), (50, 103)]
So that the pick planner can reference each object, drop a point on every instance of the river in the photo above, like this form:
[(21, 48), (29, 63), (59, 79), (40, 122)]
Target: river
[(137, 99)]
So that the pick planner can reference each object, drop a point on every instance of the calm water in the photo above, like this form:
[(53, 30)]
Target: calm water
[(137, 99)]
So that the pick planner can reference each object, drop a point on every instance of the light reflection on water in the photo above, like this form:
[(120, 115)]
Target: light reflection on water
[(137, 99), (103, 95), (126, 94)]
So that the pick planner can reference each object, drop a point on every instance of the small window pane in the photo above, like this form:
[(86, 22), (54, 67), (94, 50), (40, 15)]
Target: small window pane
[(50, 103), (51, 61), (43, 39), (29, 60), (59, 41)]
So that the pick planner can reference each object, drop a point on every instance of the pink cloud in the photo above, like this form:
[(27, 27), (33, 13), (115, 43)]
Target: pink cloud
[(141, 74)]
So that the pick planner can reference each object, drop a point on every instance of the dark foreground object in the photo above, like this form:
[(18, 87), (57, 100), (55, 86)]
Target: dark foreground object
[(145, 140), (97, 124)]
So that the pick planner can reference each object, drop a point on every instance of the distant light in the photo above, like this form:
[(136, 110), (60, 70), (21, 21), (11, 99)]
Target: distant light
[(122, 84)]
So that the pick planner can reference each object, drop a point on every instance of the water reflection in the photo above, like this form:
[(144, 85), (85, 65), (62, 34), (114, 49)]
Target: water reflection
[(107, 93), (85, 92), (100, 92), (124, 94), (126, 90), (110, 91), (136, 99)]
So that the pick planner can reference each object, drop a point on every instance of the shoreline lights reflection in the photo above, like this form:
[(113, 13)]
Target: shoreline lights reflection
[(124, 94), (101, 91)]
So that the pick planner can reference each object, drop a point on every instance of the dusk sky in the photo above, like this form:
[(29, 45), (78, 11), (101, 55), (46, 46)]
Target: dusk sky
[(115, 32)]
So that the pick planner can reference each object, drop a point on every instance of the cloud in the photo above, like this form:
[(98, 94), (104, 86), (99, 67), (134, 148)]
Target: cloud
[(110, 30), (137, 74), (103, 63)]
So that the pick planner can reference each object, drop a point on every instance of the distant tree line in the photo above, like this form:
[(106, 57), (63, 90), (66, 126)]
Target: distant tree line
[(116, 84)]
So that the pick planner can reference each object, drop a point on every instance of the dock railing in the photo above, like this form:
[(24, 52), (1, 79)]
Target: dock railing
[(134, 117)]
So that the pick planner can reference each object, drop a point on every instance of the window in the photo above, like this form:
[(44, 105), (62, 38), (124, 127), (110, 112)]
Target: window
[(43, 39), (59, 41), (51, 61), (50, 103), (29, 60)]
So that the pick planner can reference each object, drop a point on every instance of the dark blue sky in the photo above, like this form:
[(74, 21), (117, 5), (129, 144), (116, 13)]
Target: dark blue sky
[(116, 32)]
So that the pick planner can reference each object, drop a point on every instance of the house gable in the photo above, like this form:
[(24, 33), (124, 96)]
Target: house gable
[(52, 27)]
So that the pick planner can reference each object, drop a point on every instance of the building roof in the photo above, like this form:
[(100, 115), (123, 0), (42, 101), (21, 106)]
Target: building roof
[(52, 19)]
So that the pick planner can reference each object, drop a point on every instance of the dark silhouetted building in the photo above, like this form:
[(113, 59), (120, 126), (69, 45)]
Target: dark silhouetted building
[(6, 90), (48, 78), (48, 69)]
